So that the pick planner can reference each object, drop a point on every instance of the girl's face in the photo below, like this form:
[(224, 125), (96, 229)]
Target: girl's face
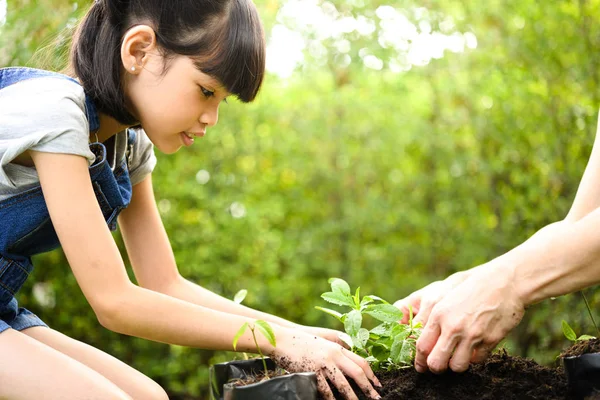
[(173, 107)]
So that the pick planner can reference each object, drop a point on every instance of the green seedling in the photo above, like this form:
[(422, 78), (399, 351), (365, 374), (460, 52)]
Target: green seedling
[(388, 346), (239, 298), (264, 328), (570, 333)]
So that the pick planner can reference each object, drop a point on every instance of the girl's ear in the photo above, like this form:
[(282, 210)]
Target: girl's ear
[(137, 45)]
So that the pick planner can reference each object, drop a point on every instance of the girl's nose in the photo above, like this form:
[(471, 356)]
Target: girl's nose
[(210, 116)]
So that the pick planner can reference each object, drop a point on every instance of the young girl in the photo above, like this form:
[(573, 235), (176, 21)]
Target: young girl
[(71, 163)]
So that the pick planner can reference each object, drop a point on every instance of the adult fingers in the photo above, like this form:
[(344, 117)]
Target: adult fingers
[(364, 365), (354, 371), (482, 352), (424, 312), (414, 301), (340, 382), (324, 388), (438, 359), (462, 356), (425, 343)]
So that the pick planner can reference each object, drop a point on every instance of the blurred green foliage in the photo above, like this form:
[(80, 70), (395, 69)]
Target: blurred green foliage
[(388, 180)]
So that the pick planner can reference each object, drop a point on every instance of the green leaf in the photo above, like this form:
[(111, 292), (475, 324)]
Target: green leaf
[(407, 352), (338, 298), (357, 298), (384, 329), (239, 334), (240, 296), (380, 352), (395, 350), (384, 312), (363, 336), (568, 331), (267, 331), (373, 297), (353, 322), (344, 337), (336, 314), (339, 286), (365, 301), (585, 337)]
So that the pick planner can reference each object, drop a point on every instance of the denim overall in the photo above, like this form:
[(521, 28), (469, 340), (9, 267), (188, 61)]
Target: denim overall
[(25, 225)]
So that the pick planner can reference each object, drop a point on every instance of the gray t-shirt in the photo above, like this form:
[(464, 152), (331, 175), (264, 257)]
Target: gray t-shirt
[(48, 114)]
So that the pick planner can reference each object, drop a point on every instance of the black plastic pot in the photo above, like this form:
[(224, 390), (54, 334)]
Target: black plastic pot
[(298, 386), (583, 374)]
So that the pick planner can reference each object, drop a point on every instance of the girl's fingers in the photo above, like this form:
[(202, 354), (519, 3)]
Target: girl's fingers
[(340, 382), (364, 365), (323, 387), (358, 375)]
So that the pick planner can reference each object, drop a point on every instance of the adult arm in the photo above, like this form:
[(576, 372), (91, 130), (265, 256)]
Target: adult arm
[(476, 309)]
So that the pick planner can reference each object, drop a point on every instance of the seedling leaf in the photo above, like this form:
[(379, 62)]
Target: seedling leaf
[(568, 331), (267, 331), (384, 312), (240, 296), (363, 337), (406, 353), (353, 322), (382, 330), (336, 314), (373, 297), (344, 337), (585, 337), (239, 334), (339, 286), (338, 298)]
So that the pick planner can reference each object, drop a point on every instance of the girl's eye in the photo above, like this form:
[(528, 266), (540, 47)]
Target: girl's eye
[(207, 93)]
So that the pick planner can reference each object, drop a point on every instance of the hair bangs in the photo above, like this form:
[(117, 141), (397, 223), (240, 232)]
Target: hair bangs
[(237, 59)]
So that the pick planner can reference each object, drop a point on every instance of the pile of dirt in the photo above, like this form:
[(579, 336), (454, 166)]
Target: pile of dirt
[(500, 377)]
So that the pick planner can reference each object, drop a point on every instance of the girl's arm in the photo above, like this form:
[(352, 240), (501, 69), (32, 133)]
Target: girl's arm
[(126, 308), (154, 264)]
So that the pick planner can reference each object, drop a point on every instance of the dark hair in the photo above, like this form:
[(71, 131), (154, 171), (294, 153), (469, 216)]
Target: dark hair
[(224, 38)]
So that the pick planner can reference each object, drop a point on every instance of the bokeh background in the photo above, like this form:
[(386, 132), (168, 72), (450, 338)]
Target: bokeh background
[(393, 143)]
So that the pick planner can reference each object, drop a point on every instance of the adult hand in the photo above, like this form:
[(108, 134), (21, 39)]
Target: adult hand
[(298, 351), (468, 321), (423, 300)]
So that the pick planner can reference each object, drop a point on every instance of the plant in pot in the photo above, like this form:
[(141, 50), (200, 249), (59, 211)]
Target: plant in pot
[(582, 361), (259, 378)]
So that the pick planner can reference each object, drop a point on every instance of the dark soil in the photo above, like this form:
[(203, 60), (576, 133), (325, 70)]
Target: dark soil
[(258, 378), (500, 377), (583, 347)]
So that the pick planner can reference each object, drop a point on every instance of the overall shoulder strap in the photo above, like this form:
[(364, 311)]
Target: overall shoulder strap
[(12, 75)]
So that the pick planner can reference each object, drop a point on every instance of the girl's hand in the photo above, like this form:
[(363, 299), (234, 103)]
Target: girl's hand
[(325, 333), (298, 351)]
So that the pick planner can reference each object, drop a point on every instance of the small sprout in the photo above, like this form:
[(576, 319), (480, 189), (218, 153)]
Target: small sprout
[(570, 333), (240, 296), (264, 328)]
